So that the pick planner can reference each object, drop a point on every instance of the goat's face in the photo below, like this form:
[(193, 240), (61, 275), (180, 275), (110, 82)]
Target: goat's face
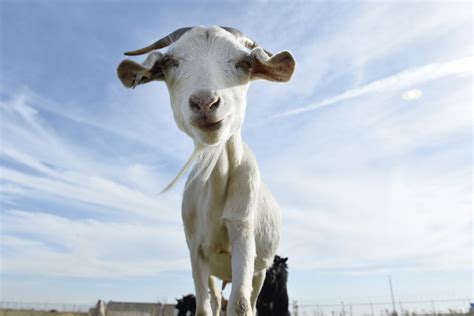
[(207, 72), (206, 84)]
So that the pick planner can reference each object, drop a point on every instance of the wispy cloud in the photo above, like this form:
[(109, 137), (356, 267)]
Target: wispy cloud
[(111, 221), (401, 218), (119, 208), (406, 78), (395, 177), (66, 171), (88, 247)]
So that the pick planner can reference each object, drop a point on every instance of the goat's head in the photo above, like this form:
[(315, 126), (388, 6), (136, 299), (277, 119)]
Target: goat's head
[(207, 72), (186, 304)]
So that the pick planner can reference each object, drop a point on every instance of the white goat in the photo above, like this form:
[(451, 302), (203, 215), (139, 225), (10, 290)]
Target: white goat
[(231, 221)]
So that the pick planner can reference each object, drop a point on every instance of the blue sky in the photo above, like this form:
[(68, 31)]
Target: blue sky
[(368, 149)]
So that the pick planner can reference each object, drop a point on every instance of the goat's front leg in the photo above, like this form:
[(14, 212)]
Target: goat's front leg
[(257, 283), (201, 275), (242, 239)]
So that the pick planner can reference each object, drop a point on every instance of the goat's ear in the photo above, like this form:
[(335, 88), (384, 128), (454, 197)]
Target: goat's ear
[(279, 67), (131, 74)]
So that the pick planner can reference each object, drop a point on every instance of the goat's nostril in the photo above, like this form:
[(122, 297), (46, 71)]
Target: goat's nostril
[(194, 105), (215, 104)]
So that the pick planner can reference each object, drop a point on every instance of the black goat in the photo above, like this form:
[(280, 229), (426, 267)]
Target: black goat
[(186, 304), (273, 298)]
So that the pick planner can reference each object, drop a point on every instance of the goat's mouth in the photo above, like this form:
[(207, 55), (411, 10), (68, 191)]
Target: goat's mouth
[(208, 125)]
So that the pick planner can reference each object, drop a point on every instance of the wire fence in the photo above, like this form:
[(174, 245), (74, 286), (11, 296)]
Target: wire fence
[(400, 308), (44, 307)]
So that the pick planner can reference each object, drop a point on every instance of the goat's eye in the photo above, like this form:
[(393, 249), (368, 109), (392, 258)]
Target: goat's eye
[(244, 64), (169, 62)]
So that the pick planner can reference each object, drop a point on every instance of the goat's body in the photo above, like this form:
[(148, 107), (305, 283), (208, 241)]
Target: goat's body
[(232, 222), (209, 209)]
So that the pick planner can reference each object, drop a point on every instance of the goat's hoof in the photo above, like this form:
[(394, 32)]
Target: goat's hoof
[(203, 313)]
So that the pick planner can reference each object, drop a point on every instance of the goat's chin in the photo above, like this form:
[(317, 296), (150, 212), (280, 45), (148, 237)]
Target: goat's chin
[(211, 137)]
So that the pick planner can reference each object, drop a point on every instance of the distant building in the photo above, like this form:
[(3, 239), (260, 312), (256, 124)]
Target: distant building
[(132, 309)]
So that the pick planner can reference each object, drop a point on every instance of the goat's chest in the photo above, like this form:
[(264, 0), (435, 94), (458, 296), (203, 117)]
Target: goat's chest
[(202, 208)]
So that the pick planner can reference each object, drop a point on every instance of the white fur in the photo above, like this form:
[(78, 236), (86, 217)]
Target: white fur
[(231, 220)]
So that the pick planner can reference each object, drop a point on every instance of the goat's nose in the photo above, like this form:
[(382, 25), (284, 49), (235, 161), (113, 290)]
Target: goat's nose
[(204, 101)]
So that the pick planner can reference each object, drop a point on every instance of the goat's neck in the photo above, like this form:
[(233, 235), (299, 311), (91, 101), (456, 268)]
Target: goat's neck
[(233, 150), (230, 157)]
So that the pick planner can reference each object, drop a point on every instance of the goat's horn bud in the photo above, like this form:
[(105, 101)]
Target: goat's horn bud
[(246, 41)]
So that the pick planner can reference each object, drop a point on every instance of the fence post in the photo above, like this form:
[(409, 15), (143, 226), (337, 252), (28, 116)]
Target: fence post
[(433, 307), (295, 308)]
